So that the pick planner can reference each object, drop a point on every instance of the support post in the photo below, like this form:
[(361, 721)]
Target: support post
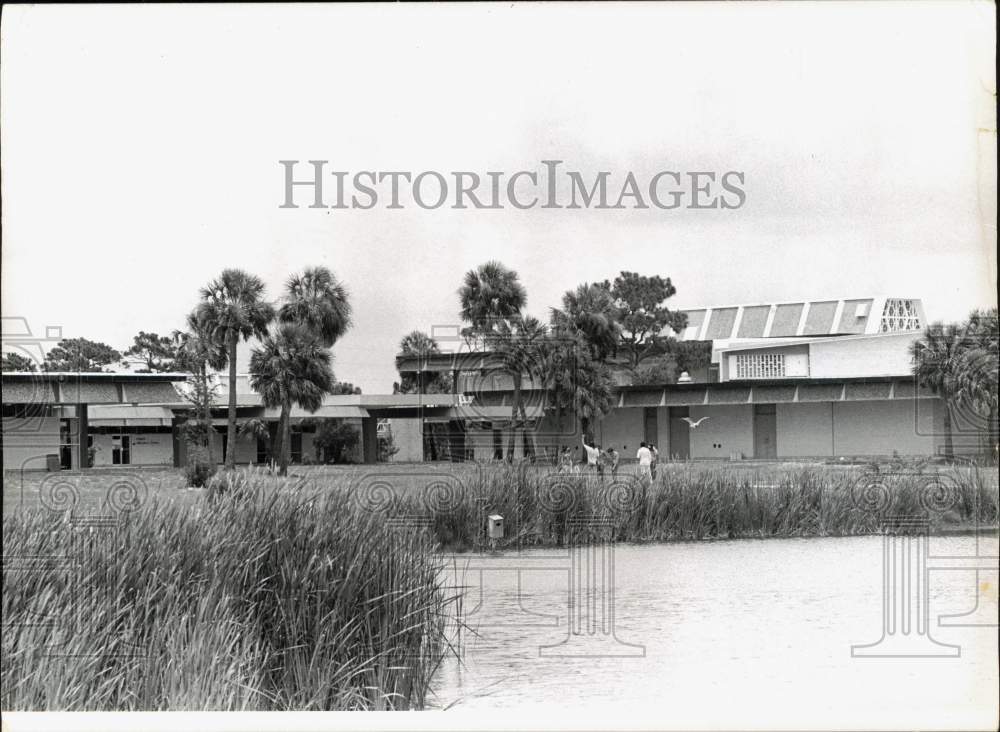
[(369, 439), (82, 431)]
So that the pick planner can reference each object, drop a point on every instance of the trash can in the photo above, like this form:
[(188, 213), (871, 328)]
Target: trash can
[(52, 463)]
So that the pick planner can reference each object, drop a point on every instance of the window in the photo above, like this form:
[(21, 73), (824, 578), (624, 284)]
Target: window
[(760, 365), (900, 315)]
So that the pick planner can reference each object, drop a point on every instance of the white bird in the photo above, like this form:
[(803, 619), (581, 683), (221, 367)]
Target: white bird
[(692, 423)]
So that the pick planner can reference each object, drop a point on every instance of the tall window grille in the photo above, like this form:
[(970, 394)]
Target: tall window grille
[(760, 365), (900, 315)]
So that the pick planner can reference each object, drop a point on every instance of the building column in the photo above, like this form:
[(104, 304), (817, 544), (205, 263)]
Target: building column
[(82, 460), (369, 439)]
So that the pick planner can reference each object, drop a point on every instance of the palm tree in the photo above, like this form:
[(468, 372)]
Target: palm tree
[(257, 430), (577, 380), (958, 362), (319, 302), (519, 343), (197, 353), (291, 366), (489, 296), (418, 343), (590, 310), (232, 307)]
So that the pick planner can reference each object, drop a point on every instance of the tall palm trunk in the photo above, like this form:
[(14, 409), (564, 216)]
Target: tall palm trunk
[(284, 437), (206, 415), (949, 448), (517, 407), (231, 427)]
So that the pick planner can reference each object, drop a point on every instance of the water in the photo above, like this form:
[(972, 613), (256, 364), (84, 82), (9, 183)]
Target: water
[(750, 633)]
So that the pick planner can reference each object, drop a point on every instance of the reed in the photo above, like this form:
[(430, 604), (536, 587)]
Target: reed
[(263, 598), (687, 502)]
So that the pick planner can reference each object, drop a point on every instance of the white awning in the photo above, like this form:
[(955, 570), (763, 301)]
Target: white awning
[(128, 416)]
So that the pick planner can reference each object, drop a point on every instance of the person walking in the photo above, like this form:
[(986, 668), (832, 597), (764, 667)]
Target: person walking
[(565, 460), (592, 455), (612, 457), (645, 458), (653, 462)]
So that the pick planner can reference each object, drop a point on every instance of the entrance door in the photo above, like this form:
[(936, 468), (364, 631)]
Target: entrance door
[(649, 426), (121, 452), (765, 432), (680, 434), (65, 445)]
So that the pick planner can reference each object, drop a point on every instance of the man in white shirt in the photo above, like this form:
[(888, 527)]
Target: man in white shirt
[(592, 455), (645, 458)]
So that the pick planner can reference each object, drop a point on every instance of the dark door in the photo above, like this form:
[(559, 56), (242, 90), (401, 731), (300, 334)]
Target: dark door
[(649, 426), (680, 434), (121, 450), (65, 445), (765, 432)]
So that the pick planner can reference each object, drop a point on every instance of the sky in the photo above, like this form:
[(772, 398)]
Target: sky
[(140, 149)]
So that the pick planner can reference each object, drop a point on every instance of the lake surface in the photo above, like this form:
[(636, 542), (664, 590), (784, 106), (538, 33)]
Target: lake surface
[(745, 633)]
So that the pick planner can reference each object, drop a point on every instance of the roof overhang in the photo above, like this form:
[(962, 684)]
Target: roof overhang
[(772, 391), (50, 387)]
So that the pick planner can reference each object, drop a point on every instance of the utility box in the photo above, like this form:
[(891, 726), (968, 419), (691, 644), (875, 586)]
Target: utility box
[(494, 524)]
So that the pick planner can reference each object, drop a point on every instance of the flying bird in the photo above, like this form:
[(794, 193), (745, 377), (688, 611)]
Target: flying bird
[(692, 423)]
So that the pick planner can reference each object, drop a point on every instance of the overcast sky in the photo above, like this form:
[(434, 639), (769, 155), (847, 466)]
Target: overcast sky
[(140, 149)]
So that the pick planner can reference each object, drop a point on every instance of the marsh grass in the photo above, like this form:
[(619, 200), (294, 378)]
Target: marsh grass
[(688, 502), (303, 593), (262, 598)]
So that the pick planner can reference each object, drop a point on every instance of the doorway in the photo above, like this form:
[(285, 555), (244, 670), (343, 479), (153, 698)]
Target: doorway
[(121, 449), (649, 428), (765, 432), (680, 434)]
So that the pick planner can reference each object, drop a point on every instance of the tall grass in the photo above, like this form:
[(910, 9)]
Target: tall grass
[(261, 598), (688, 502), (326, 593)]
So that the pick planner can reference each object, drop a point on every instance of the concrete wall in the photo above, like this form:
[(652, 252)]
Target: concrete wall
[(805, 430), (623, 428), (729, 426), (26, 442), (881, 428), (882, 355)]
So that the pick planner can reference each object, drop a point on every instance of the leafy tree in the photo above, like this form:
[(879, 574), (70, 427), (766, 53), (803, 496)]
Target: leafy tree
[(662, 371), (291, 366), (156, 353), (643, 315), (232, 307), (345, 387), (17, 362), (80, 354), (198, 354), (958, 362), (332, 439)]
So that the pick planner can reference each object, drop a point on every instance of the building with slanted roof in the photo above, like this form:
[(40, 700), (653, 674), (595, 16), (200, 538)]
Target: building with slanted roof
[(790, 380)]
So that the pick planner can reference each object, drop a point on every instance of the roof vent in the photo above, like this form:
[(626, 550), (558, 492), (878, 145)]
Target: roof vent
[(684, 378), (861, 311)]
